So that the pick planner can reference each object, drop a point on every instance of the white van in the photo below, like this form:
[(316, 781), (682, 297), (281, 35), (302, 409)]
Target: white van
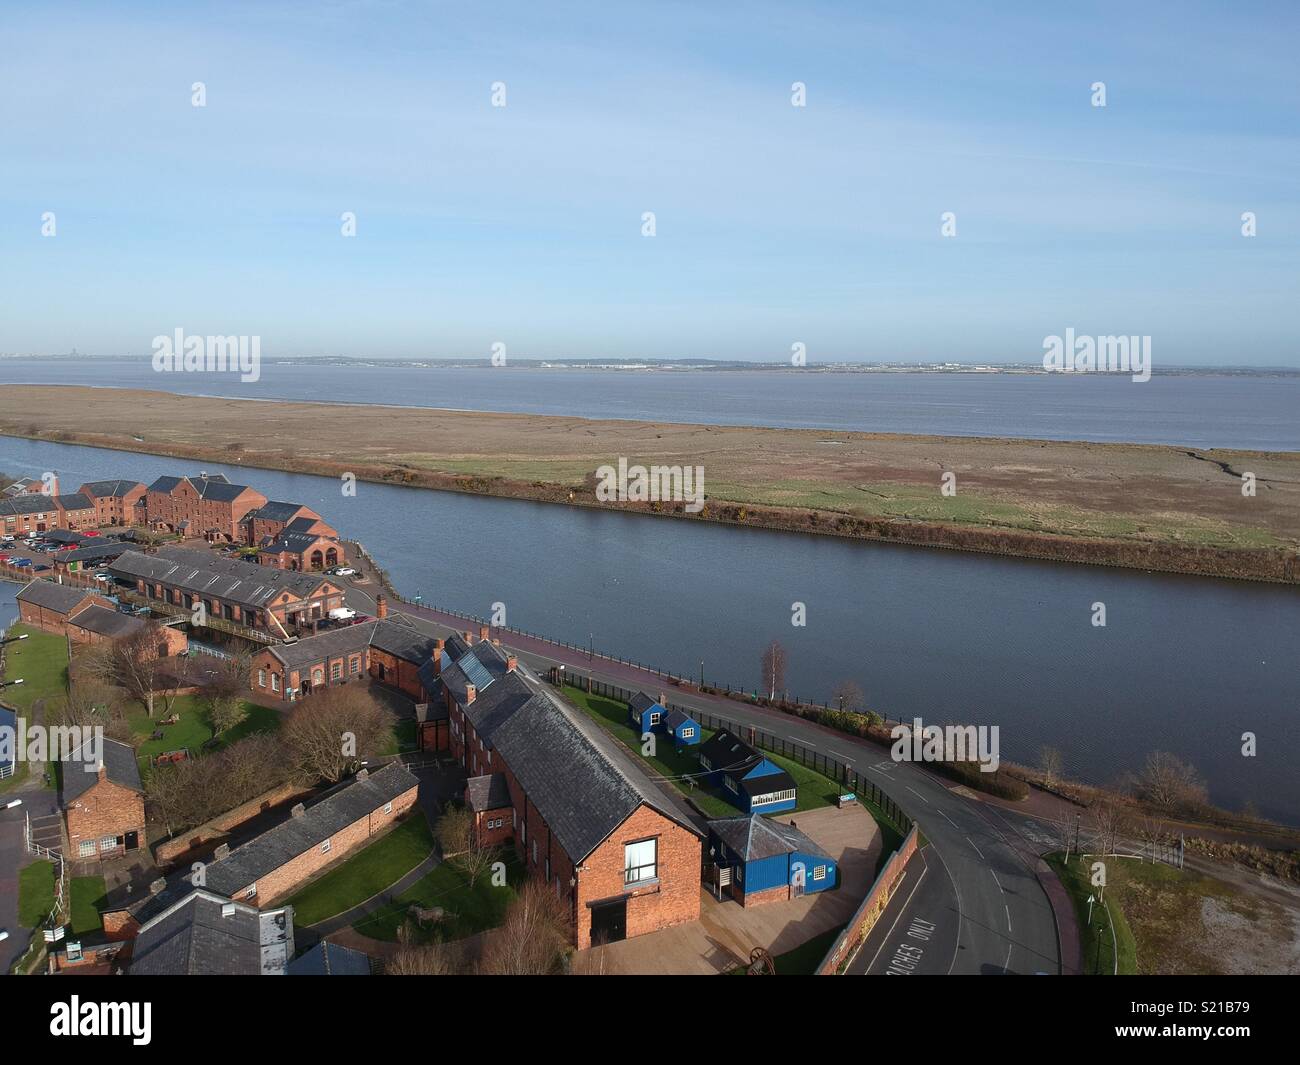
[(342, 613)]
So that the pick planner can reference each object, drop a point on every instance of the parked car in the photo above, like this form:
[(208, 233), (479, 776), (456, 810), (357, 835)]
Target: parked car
[(7, 538), (21, 562), (343, 571), (40, 566), (104, 577), (4, 558), (342, 613), (360, 619), (91, 532)]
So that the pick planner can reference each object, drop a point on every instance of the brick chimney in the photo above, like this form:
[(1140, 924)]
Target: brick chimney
[(438, 645), (483, 632), (222, 851), (469, 636), (381, 606), (471, 693), (511, 663), (298, 810)]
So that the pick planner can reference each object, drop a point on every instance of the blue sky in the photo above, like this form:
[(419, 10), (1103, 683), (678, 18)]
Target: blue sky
[(775, 224)]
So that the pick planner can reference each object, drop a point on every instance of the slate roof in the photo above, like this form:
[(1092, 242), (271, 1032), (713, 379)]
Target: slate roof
[(119, 763), (487, 792), (99, 489), (729, 754), (17, 487), (165, 484), (673, 719), (642, 702), (74, 501), (343, 806), (206, 935), (582, 781), (329, 959), (28, 504), (406, 643), (303, 524), (767, 783), (204, 573), (755, 837), (105, 622), (276, 510), (95, 552), (51, 596), (290, 541)]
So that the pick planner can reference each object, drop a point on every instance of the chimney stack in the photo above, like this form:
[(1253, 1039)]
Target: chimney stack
[(483, 632), (298, 810), (469, 636), (157, 886), (381, 606), (222, 851), (363, 773), (511, 663), (471, 693)]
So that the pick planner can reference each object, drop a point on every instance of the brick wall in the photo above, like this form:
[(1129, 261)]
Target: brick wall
[(105, 809), (53, 620)]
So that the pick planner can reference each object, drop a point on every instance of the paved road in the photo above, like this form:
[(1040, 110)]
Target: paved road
[(985, 909)]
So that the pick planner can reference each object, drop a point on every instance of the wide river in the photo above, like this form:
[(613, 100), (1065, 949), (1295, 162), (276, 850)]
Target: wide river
[(1234, 411), (1183, 664)]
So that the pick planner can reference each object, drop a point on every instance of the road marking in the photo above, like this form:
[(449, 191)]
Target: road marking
[(847, 757), (976, 849), (917, 794), (1008, 910), (998, 882), (950, 820), (1006, 965), (925, 868)]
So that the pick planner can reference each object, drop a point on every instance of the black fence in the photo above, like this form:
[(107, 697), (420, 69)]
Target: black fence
[(845, 775)]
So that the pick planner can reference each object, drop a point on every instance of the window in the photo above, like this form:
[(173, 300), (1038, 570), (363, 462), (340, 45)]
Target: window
[(705, 762), (388, 807), (86, 848), (354, 664), (251, 890), (325, 847), (108, 843), (731, 784), (819, 872), (261, 678), (654, 717), (686, 732), (771, 797), (318, 676), (639, 864), (275, 682), (336, 670)]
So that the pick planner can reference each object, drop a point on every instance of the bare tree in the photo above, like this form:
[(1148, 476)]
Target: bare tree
[(848, 696), (1169, 783), (774, 668), (413, 959), (1152, 831), (534, 938), (1109, 822), (1051, 762), (131, 662), (329, 733), (457, 835), (225, 694)]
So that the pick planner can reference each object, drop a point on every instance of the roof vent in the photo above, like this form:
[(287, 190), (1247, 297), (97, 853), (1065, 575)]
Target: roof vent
[(363, 774), (157, 885), (223, 851), (298, 810)]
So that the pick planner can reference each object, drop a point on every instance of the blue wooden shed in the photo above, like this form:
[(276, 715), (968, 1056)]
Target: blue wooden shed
[(756, 859), (754, 783), (650, 715)]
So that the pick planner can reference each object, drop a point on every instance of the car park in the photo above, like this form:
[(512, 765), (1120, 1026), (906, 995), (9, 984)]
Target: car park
[(20, 562), (343, 571)]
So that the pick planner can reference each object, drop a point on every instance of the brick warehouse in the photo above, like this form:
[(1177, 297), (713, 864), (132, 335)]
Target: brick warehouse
[(276, 863), (116, 502), (47, 606), (104, 809), (256, 596), (621, 852), (203, 506)]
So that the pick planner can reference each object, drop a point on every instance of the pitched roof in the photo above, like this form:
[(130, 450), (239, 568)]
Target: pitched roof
[(99, 489), (330, 959), (165, 483), (105, 622), (729, 754), (204, 573), (203, 934), (39, 503), (675, 718), (642, 702), (51, 596), (289, 541), (582, 781), (75, 501), (276, 510), (80, 775), (95, 552), (755, 837), (342, 806), (488, 792), (404, 642)]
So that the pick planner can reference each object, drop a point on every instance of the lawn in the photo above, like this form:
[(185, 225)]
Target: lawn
[(366, 873), (35, 893), (86, 895), (1099, 946), (683, 766), (193, 730), (466, 910), (41, 661)]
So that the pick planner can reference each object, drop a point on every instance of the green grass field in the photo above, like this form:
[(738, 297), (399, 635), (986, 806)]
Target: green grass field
[(466, 910), (683, 767), (366, 873), (193, 730), (1099, 945), (85, 896), (41, 661), (35, 892)]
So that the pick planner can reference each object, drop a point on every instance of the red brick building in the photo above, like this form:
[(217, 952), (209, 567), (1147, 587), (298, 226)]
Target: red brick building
[(301, 551), (116, 502), (48, 606), (621, 852), (98, 624), (205, 506), (27, 513), (258, 597), (268, 521), (103, 802)]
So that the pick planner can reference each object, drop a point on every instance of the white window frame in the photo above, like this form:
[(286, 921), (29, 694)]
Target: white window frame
[(325, 847), (86, 848), (107, 843), (819, 872), (635, 863), (388, 807), (686, 732), (773, 796)]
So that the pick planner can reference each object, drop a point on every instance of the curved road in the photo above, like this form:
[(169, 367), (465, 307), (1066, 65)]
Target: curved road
[(971, 904)]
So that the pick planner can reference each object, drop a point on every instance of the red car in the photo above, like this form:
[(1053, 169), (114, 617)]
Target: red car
[(91, 532)]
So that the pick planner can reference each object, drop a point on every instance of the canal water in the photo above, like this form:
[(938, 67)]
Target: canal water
[(1183, 664)]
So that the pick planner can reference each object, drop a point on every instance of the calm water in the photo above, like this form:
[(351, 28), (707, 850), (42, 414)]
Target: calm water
[(1184, 664), (1223, 411)]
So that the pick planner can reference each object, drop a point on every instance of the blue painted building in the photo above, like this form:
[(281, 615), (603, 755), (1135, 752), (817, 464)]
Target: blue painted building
[(756, 860), (754, 783), (650, 715)]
